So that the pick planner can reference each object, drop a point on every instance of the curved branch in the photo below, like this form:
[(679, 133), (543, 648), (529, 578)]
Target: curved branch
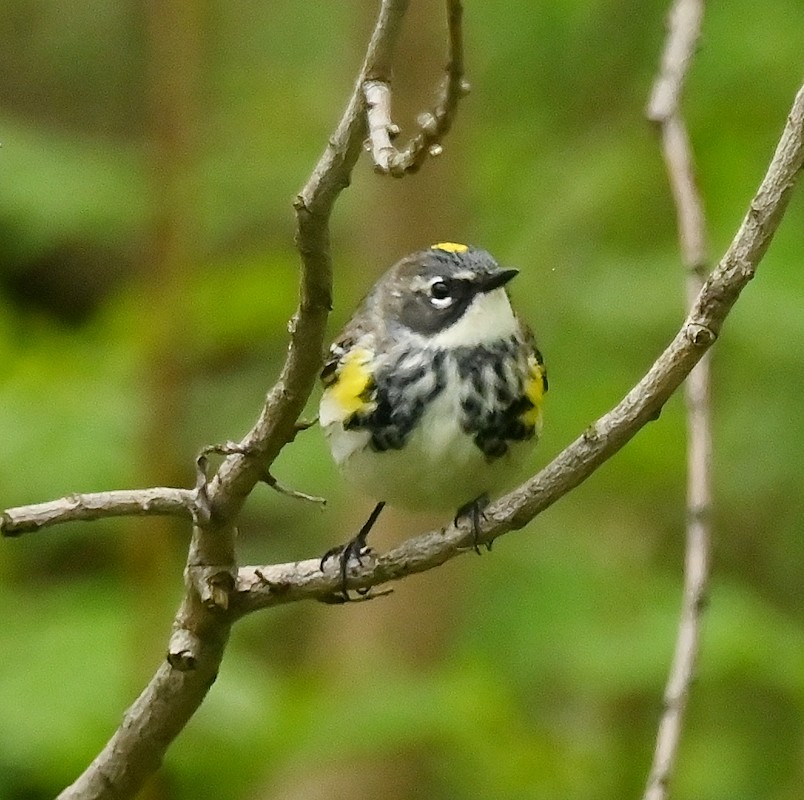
[(259, 587), (276, 425), (159, 501), (202, 624), (433, 125)]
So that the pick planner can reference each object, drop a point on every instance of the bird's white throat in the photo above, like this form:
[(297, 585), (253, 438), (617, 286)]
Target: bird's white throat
[(488, 319)]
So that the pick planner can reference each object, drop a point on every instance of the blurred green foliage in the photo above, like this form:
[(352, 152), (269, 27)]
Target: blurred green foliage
[(544, 663)]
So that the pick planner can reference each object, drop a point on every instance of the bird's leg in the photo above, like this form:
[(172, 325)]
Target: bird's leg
[(354, 548), (474, 510)]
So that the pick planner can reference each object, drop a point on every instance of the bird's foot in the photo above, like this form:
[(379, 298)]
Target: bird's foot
[(474, 511), (355, 548)]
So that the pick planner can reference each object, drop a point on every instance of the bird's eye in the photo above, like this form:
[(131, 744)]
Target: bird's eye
[(439, 290)]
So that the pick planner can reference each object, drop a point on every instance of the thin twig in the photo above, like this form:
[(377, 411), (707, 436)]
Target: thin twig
[(159, 500), (284, 583), (294, 493), (684, 30), (664, 109), (433, 125)]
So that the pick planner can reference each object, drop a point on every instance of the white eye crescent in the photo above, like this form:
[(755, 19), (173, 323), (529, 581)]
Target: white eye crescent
[(440, 294)]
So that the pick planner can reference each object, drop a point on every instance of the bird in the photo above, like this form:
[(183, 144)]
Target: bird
[(433, 391)]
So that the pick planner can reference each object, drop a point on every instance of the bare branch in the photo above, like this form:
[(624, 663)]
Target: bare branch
[(203, 622), (259, 587), (689, 208), (217, 594), (664, 109), (277, 422), (86, 507), (381, 129), (433, 125), (684, 30)]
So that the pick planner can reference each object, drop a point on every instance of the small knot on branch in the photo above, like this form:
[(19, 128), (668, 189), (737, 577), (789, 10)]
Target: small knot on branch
[(212, 584), (590, 434), (428, 123), (5, 527), (700, 335), (183, 650)]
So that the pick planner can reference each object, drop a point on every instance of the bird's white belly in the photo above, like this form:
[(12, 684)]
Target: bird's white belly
[(440, 466)]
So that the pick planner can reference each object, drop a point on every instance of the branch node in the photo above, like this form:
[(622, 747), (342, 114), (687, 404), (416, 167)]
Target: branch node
[(274, 587), (591, 434), (212, 584), (428, 123), (73, 500), (700, 335), (305, 424), (202, 509), (183, 650), (5, 530), (218, 598)]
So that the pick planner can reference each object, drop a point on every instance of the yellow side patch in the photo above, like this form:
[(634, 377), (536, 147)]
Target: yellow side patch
[(352, 384), (534, 391), (450, 247)]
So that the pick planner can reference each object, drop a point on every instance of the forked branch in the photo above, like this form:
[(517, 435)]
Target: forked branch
[(202, 624), (258, 587), (433, 125), (217, 594)]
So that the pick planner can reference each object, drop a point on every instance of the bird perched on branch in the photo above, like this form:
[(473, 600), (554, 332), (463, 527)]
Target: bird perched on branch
[(433, 390)]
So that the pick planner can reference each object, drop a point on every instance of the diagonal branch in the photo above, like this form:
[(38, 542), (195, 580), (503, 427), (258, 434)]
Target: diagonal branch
[(259, 587), (664, 109)]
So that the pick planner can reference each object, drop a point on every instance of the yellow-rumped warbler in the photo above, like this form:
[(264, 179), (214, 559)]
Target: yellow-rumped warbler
[(433, 387)]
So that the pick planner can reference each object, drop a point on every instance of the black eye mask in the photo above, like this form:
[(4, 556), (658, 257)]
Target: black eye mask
[(419, 314)]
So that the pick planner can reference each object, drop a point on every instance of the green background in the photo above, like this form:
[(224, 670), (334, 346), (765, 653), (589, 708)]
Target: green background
[(146, 279)]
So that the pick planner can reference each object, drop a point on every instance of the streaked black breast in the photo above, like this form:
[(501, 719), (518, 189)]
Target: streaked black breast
[(490, 391)]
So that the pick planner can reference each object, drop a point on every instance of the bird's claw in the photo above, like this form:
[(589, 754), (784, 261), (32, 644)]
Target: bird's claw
[(475, 510), (355, 549)]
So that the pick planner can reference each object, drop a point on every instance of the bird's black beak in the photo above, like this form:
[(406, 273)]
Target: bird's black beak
[(494, 280)]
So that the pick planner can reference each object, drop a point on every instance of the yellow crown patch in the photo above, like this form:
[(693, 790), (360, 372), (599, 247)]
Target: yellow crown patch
[(450, 247)]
